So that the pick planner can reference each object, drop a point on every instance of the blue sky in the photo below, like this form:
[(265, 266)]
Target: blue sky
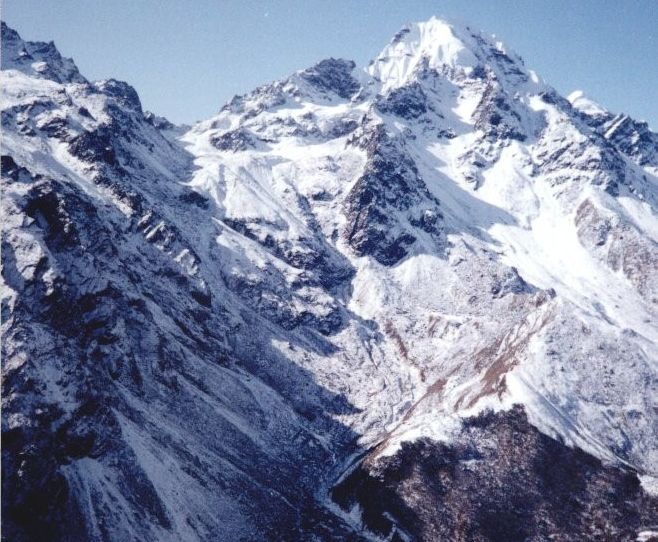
[(186, 58)]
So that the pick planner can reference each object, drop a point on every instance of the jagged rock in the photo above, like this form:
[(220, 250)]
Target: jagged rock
[(333, 75), (236, 140), (407, 102), (37, 59), (379, 201), (122, 92)]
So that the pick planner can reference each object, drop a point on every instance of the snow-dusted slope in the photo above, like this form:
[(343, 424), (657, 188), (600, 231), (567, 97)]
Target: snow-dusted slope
[(204, 333)]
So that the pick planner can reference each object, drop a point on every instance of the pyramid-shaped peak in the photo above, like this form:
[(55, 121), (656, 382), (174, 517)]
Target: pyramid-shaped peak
[(434, 35), (439, 44)]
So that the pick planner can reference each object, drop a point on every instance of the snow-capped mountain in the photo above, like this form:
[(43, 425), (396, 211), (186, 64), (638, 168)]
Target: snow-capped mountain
[(415, 301)]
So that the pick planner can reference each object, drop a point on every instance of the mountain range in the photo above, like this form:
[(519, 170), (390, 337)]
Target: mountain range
[(413, 301)]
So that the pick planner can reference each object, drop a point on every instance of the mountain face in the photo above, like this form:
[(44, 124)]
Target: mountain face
[(412, 302)]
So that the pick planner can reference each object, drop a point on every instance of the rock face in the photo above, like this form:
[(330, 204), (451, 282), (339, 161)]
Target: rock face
[(389, 202), (412, 302)]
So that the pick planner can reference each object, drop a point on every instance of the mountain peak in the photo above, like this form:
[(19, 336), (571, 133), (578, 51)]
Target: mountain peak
[(333, 75), (36, 58), (435, 42), (445, 47)]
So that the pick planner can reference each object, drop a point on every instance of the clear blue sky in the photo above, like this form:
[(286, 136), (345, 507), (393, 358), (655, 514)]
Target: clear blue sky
[(186, 58)]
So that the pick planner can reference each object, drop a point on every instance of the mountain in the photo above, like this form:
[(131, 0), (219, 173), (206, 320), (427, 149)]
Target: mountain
[(412, 302)]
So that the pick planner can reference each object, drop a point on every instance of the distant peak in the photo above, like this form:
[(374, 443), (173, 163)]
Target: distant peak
[(439, 45), (37, 59), (434, 41)]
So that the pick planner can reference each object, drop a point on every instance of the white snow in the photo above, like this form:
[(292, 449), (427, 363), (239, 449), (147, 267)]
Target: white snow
[(585, 104)]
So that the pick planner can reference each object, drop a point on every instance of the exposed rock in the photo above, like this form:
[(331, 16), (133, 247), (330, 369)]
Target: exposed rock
[(408, 102), (378, 206), (333, 75), (499, 480), (235, 140)]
